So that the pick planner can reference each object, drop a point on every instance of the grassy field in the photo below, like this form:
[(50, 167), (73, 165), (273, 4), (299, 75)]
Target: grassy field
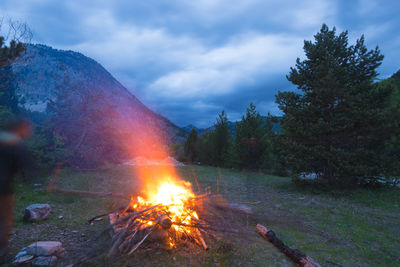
[(354, 228)]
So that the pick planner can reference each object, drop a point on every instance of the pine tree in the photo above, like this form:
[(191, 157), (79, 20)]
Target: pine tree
[(9, 52), (191, 146), (336, 126), (269, 160), (205, 148), (249, 139), (221, 142)]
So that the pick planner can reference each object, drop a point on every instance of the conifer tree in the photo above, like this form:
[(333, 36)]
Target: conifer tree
[(336, 126), (221, 140), (270, 154), (249, 139), (191, 146)]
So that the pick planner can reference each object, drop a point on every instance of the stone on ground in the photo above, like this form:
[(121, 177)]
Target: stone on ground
[(41, 253), (44, 261), (44, 248), (22, 258), (37, 212)]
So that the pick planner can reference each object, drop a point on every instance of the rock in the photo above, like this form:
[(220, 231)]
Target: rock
[(44, 248), (44, 261), (37, 212), (21, 253), (22, 257)]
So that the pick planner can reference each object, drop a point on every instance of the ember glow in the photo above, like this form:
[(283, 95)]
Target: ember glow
[(175, 200)]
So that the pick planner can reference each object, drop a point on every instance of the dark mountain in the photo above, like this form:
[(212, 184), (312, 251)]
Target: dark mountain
[(96, 116)]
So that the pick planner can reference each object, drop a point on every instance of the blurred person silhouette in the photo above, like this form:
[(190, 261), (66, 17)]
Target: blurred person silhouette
[(14, 158)]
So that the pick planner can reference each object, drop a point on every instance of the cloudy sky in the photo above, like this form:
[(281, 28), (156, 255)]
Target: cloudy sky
[(189, 59)]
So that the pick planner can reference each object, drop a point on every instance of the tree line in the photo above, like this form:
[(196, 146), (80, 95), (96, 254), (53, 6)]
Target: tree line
[(340, 125), (250, 146)]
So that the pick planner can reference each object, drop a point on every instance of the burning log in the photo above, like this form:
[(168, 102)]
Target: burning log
[(295, 255), (165, 222)]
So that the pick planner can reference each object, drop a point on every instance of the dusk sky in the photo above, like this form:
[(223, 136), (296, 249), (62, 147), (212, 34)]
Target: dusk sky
[(188, 60)]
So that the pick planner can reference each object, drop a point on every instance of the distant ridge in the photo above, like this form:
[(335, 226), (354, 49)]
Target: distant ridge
[(276, 127)]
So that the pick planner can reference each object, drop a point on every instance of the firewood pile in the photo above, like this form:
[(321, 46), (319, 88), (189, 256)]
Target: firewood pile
[(180, 218)]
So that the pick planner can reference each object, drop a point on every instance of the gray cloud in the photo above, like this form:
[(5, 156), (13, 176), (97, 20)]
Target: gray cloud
[(188, 60)]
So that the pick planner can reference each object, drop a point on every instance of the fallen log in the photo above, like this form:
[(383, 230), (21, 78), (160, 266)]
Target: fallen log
[(80, 193), (295, 255)]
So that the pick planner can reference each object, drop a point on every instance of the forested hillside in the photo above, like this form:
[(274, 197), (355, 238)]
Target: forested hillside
[(77, 106)]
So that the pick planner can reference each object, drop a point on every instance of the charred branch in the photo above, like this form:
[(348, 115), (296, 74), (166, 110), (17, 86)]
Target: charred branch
[(295, 255)]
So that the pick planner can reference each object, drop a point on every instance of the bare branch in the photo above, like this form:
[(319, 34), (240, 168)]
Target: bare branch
[(16, 31), (14, 38)]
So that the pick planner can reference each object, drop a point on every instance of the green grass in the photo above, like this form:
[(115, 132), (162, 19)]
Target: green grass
[(341, 228)]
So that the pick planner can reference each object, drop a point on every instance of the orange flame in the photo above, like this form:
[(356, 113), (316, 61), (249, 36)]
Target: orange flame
[(175, 201), (161, 185)]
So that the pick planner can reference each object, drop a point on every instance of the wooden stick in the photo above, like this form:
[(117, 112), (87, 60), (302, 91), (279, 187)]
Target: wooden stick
[(203, 243), (295, 255), (132, 216), (144, 238), (107, 213), (120, 238), (124, 244), (98, 216)]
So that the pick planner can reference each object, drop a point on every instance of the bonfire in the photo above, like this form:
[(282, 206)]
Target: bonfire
[(168, 213), (166, 216)]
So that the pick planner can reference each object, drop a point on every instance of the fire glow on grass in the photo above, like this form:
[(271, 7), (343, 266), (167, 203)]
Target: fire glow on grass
[(175, 199)]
